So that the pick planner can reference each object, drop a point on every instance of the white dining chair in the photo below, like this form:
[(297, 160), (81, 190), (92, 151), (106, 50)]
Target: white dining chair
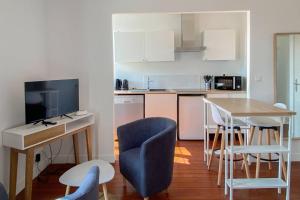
[(268, 124), (237, 124)]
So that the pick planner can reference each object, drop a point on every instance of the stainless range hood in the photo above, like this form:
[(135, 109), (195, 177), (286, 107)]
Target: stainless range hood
[(190, 34)]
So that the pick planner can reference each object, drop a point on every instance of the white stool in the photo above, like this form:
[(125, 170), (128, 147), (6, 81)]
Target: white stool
[(267, 123), (74, 176)]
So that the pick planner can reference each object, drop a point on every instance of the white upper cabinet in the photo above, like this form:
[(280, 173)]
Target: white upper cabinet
[(129, 46), (220, 44), (160, 46), (153, 46)]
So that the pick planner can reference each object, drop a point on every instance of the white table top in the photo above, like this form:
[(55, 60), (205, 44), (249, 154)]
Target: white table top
[(74, 176)]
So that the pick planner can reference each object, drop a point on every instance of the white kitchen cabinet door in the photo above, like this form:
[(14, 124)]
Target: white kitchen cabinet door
[(159, 46), (191, 118), (161, 105), (129, 46), (220, 45)]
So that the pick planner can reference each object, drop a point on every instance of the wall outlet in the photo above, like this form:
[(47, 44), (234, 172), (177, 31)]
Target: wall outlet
[(37, 157)]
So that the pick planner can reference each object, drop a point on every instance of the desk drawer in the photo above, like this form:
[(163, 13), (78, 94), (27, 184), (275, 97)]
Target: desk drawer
[(43, 135)]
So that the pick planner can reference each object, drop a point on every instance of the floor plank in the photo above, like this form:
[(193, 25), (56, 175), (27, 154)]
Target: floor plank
[(191, 180)]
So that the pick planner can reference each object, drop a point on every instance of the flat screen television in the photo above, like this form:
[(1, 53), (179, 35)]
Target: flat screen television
[(47, 99)]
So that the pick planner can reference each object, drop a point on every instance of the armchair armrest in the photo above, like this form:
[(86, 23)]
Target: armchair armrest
[(157, 157)]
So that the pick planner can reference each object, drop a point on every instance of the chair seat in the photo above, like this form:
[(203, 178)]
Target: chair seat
[(263, 122)]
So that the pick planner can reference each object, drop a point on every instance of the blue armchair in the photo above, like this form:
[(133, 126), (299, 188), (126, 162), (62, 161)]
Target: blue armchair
[(89, 188), (3, 194), (147, 154)]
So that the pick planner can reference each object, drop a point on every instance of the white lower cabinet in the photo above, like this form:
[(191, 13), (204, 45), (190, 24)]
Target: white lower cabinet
[(161, 105), (191, 122)]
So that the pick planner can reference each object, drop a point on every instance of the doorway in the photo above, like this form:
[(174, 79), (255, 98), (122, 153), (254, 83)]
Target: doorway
[(287, 78)]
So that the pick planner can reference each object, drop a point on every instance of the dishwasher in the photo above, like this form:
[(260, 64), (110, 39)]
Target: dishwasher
[(127, 108)]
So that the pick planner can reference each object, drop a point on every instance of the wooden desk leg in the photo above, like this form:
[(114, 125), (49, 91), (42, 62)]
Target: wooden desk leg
[(105, 191), (29, 173), (76, 148), (13, 173), (89, 142)]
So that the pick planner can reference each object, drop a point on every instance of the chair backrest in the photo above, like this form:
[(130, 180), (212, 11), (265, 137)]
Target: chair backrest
[(280, 105), (3, 194), (285, 120), (216, 115), (89, 188)]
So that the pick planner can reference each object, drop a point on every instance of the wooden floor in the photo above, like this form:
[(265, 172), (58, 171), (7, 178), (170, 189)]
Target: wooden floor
[(191, 180)]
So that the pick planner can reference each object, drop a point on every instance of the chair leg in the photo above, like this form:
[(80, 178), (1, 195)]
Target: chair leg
[(277, 138), (251, 134), (245, 161), (258, 155), (269, 143), (221, 157), (213, 146), (124, 181), (105, 191)]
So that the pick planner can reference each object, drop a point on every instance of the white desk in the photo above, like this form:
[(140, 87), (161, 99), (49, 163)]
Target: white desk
[(25, 139), (243, 108)]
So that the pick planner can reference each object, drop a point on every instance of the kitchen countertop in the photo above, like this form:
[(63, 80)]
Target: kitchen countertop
[(178, 91)]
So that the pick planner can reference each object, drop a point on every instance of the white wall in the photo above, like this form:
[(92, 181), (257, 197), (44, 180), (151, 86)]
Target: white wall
[(64, 49), (22, 58), (186, 63)]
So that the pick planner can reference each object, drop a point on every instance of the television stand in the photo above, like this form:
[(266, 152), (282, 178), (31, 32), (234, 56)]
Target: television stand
[(27, 138), (68, 116), (44, 122)]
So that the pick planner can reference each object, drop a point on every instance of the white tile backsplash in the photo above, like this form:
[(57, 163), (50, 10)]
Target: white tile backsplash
[(173, 81)]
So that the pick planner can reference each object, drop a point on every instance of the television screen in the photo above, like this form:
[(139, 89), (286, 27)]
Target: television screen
[(47, 99)]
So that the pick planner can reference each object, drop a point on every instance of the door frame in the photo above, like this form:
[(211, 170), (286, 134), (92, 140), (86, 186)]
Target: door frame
[(275, 68)]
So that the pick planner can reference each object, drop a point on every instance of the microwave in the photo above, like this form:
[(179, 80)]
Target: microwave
[(228, 82)]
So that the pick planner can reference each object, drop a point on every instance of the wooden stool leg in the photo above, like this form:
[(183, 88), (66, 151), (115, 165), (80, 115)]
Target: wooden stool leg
[(251, 134), (13, 173), (269, 143), (29, 173), (258, 155), (105, 191), (221, 157), (67, 190), (245, 161), (213, 146), (277, 137)]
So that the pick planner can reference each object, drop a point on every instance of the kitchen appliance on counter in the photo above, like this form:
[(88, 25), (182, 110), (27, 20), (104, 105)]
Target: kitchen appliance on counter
[(228, 82), (125, 84), (127, 108), (118, 85)]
